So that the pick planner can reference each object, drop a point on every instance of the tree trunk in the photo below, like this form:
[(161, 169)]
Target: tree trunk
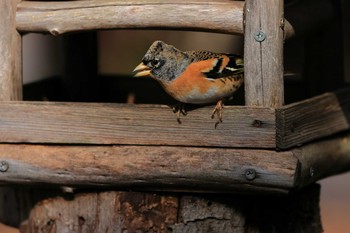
[(113, 211)]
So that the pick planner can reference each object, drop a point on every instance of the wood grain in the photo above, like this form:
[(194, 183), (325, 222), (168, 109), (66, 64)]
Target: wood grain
[(62, 17), (105, 212), (313, 118), (323, 159), (56, 17), (264, 59), (90, 123), (10, 53), (170, 168), (150, 168), (163, 213)]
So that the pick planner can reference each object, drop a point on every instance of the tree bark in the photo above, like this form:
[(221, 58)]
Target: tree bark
[(158, 212)]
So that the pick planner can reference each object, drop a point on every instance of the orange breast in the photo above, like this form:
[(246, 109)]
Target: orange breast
[(192, 86)]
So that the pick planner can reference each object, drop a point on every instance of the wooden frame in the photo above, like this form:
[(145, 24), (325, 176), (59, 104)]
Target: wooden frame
[(10, 53), (172, 168), (56, 18), (112, 124), (112, 145)]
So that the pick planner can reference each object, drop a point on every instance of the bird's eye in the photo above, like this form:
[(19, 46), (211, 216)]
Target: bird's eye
[(154, 62)]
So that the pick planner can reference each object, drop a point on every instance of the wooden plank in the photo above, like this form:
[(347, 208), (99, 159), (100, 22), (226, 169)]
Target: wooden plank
[(89, 123), (323, 159), (263, 53), (170, 168), (56, 17), (312, 119), (150, 168), (10, 53), (10, 88)]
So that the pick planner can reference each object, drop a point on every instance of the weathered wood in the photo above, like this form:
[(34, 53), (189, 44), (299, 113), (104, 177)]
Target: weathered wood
[(88, 123), (56, 17), (10, 53), (105, 212), (323, 159), (10, 89), (147, 212), (313, 118), (171, 168), (253, 127), (263, 53), (150, 168)]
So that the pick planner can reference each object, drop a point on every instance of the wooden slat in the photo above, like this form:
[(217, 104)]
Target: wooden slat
[(323, 159), (170, 168), (313, 118), (78, 123), (263, 58), (149, 168), (60, 17), (10, 53)]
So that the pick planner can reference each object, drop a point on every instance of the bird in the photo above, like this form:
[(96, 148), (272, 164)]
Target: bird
[(193, 77)]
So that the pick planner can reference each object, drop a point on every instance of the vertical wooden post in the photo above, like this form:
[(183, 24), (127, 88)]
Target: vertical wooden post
[(10, 52), (263, 53), (10, 88)]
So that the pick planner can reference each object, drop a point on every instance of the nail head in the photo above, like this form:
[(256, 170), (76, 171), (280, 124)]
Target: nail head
[(259, 36), (250, 174), (4, 166)]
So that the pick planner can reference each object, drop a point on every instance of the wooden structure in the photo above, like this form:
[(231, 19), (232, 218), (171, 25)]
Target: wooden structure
[(264, 147)]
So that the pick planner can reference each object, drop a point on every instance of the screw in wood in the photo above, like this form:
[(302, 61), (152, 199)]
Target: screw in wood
[(4, 166), (259, 36), (250, 174)]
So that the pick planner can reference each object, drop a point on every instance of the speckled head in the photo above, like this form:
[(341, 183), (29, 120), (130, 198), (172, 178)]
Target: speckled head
[(163, 62)]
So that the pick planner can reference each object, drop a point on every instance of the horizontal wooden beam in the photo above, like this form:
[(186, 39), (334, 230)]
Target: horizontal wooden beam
[(150, 168), (93, 123), (313, 118), (323, 159), (221, 16), (170, 168), (89, 123), (116, 124)]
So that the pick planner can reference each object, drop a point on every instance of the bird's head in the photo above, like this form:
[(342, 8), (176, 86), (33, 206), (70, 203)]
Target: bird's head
[(162, 61)]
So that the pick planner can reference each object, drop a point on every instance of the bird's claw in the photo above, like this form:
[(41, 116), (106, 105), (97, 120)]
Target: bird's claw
[(179, 110), (218, 111)]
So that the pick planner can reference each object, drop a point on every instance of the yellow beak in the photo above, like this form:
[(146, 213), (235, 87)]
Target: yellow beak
[(142, 70)]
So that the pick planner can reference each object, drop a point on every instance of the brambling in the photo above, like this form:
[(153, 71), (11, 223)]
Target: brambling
[(193, 77)]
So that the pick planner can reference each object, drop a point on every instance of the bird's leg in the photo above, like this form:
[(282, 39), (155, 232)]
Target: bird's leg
[(179, 109), (218, 110)]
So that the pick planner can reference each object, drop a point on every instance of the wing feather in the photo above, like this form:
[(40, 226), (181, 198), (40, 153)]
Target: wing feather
[(220, 65)]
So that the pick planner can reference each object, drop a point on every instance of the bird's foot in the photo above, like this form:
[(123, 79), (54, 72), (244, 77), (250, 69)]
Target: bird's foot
[(179, 109), (218, 111)]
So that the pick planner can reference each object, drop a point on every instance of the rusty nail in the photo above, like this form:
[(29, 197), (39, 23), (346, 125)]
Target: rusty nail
[(250, 174), (259, 36), (4, 166)]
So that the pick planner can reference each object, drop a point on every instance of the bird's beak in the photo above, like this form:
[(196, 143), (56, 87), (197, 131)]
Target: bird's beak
[(142, 70)]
